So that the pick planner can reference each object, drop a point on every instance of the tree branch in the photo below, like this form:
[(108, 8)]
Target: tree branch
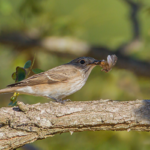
[(135, 43), (28, 123), (135, 7)]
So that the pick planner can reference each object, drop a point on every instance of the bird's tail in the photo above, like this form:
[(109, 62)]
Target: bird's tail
[(8, 90)]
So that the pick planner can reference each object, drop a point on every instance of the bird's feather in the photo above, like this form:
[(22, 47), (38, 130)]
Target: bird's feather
[(57, 74)]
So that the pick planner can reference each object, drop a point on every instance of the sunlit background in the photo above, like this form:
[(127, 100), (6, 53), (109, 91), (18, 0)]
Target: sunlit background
[(24, 24)]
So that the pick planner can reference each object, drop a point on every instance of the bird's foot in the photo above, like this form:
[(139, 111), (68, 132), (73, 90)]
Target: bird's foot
[(62, 101), (66, 100), (59, 100)]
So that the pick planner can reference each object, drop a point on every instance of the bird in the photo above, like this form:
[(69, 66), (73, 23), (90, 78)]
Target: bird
[(58, 82)]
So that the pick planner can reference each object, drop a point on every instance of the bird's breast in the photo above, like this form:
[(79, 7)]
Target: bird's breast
[(76, 84)]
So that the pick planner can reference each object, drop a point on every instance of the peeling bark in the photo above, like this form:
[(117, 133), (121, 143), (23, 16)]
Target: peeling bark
[(27, 123)]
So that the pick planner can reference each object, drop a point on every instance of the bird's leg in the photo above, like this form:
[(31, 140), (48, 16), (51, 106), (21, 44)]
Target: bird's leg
[(66, 100), (57, 100), (60, 101)]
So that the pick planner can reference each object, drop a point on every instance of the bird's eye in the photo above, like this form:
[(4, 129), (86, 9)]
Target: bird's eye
[(82, 61)]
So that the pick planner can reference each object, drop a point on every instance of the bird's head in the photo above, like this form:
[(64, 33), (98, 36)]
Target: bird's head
[(85, 63)]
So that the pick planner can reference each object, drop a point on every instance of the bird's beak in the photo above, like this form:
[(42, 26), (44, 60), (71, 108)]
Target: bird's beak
[(96, 62)]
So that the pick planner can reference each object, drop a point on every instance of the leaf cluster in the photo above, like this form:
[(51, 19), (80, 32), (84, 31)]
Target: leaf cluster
[(20, 74)]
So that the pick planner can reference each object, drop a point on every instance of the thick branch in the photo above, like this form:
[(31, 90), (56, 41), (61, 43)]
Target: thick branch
[(28, 123)]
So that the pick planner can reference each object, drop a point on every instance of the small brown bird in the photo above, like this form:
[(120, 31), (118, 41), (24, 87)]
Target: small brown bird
[(58, 82)]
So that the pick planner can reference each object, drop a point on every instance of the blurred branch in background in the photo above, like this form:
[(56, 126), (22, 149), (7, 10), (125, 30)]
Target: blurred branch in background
[(135, 7), (71, 47), (135, 42), (28, 123)]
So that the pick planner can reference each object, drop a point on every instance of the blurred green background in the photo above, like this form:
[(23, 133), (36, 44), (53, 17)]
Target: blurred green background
[(98, 22)]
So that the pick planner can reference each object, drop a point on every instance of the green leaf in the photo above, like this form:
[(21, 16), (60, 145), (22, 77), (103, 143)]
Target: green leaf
[(13, 76), (36, 70), (20, 74), (12, 103), (27, 64), (15, 103)]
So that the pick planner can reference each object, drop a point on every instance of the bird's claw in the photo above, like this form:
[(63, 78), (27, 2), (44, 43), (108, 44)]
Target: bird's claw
[(62, 101), (66, 100)]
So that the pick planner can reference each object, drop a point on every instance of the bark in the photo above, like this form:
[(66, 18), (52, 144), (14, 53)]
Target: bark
[(27, 123)]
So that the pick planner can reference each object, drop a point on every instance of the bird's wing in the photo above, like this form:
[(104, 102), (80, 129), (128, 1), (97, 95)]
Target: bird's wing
[(58, 74)]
